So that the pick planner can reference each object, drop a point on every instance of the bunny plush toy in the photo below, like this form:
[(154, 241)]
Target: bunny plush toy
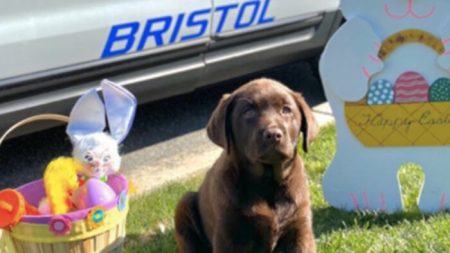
[(81, 181), (386, 76), (96, 149)]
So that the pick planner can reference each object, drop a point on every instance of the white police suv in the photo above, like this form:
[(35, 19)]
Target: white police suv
[(52, 51)]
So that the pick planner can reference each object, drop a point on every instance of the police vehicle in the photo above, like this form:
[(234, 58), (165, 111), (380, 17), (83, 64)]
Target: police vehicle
[(52, 51)]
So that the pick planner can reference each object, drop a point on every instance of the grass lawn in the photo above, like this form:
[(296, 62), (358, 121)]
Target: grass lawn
[(150, 221)]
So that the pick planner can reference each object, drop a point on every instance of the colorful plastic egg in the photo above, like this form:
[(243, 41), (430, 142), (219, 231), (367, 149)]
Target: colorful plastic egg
[(93, 193), (44, 207), (440, 90), (122, 201), (380, 92), (411, 87)]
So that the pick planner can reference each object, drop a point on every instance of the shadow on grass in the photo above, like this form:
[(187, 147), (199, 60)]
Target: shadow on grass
[(156, 243), (330, 219), (411, 179)]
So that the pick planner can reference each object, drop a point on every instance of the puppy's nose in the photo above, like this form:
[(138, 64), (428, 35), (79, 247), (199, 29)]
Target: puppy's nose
[(95, 163), (273, 134)]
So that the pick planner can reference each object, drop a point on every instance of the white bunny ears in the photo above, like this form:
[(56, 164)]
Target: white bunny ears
[(88, 114)]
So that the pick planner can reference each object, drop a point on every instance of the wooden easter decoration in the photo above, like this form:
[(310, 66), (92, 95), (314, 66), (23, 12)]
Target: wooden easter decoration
[(386, 75)]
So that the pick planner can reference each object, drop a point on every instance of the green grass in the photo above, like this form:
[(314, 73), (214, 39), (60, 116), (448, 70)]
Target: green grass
[(149, 212), (335, 230)]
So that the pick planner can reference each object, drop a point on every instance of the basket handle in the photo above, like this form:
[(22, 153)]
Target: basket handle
[(40, 117)]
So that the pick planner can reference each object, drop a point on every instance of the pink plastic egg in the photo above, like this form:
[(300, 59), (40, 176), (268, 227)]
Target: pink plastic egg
[(92, 193)]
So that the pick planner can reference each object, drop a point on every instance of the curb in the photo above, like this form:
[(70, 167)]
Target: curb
[(151, 175)]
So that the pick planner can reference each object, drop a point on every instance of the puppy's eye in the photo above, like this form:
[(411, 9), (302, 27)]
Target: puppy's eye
[(249, 111), (286, 110), (106, 158), (88, 158)]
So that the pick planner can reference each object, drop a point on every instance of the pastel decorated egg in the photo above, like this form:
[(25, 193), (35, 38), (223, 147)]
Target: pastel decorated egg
[(93, 193), (411, 87), (440, 90), (44, 207), (380, 92)]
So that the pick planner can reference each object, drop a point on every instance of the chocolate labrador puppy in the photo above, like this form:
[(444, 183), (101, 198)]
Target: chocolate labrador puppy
[(255, 198)]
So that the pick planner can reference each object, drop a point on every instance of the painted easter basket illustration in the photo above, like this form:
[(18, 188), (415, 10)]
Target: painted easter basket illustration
[(409, 113), (97, 229)]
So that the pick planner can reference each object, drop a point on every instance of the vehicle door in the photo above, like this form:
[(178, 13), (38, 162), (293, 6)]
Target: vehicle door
[(250, 35), (243, 16), (47, 35)]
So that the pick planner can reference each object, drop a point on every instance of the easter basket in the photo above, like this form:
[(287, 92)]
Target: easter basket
[(395, 119), (97, 229)]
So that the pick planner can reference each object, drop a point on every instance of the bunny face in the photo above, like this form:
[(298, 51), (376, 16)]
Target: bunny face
[(388, 17), (99, 154), (92, 146)]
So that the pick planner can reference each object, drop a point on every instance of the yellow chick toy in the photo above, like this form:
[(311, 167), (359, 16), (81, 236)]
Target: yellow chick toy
[(60, 180)]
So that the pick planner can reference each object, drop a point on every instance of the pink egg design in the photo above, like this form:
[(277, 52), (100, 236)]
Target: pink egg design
[(411, 87)]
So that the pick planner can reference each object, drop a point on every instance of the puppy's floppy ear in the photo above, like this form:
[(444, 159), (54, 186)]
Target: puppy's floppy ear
[(219, 125), (308, 127)]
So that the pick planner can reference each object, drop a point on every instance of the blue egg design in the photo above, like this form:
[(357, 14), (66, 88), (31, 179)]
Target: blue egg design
[(381, 92)]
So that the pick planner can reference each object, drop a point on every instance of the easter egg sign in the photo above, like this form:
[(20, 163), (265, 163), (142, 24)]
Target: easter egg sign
[(386, 75)]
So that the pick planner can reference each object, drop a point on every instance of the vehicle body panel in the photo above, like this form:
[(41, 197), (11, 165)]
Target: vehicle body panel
[(53, 51), (42, 35), (243, 16)]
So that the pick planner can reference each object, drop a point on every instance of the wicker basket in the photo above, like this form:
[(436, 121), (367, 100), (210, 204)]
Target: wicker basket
[(6, 245), (99, 229), (415, 124)]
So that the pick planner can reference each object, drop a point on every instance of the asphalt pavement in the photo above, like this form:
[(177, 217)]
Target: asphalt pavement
[(167, 142)]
